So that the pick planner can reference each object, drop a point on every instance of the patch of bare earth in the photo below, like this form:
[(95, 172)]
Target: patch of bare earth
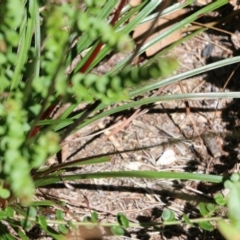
[(181, 136)]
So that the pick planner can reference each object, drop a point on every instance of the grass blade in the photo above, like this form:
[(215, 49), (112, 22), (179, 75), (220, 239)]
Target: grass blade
[(138, 174)]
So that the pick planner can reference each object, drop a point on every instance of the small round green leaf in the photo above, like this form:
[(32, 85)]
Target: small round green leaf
[(32, 212), (88, 219), (94, 217), (9, 211), (4, 193), (211, 207), (117, 230), (219, 199), (143, 73), (62, 228), (42, 221), (206, 225), (235, 177), (26, 224), (62, 203), (3, 215), (167, 66), (203, 209), (71, 225), (228, 184), (168, 215), (122, 220), (59, 214), (187, 220), (154, 71)]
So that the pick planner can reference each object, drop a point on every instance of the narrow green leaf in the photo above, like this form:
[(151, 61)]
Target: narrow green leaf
[(19, 210), (175, 97), (3, 215), (170, 47), (25, 44), (138, 174), (4, 233), (42, 203), (84, 42), (170, 30), (59, 123), (128, 15), (145, 11), (170, 9), (37, 40), (22, 235), (184, 75), (52, 232), (78, 162)]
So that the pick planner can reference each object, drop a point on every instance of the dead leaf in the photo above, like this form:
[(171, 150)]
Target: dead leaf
[(162, 24), (135, 3)]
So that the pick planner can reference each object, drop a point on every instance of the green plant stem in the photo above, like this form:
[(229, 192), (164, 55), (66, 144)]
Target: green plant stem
[(136, 225)]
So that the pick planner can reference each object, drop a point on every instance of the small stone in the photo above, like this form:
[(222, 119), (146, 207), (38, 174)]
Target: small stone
[(168, 157)]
